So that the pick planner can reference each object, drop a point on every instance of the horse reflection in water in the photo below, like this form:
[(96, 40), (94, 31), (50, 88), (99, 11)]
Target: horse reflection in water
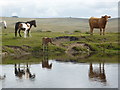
[(45, 61), (23, 72), (97, 74)]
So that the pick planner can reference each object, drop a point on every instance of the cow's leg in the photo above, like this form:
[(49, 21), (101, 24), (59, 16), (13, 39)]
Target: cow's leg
[(19, 33), (91, 31), (103, 31), (100, 31)]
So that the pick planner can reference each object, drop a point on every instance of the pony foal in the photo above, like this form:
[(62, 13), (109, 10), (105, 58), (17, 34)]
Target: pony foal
[(45, 42)]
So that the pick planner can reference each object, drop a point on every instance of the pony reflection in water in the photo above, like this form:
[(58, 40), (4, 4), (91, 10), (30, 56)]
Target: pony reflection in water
[(23, 72), (45, 61), (25, 26)]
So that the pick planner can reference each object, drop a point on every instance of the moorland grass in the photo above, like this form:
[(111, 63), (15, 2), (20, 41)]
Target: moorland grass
[(108, 41)]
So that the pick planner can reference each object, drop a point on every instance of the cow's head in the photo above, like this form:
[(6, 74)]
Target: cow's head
[(106, 17)]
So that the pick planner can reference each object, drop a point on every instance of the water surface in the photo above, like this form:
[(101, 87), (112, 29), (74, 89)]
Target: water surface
[(60, 74)]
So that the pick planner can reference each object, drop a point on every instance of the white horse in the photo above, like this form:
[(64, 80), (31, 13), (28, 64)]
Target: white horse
[(3, 23)]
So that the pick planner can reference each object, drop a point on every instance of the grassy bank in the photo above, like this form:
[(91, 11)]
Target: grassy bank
[(55, 27), (107, 43)]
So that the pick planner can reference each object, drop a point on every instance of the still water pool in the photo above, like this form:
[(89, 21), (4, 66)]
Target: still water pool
[(57, 74)]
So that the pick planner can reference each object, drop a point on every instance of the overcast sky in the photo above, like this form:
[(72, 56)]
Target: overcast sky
[(58, 8)]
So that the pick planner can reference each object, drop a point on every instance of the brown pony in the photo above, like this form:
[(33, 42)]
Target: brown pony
[(45, 42)]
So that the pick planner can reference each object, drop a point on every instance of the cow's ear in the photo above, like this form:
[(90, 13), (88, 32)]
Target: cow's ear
[(109, 16)]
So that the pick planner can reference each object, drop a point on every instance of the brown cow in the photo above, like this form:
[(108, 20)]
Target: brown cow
[(98, 23)]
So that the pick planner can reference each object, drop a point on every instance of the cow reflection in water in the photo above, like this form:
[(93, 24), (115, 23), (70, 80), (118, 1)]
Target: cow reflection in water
[(97, 74), (45, 61), (25, 72)]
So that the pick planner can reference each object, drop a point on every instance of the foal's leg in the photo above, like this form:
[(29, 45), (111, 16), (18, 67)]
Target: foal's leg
[(47, 47), (43, 47), (19, 33), (100, 31)]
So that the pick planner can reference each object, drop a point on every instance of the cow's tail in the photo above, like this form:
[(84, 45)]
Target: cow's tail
[(16, 28)]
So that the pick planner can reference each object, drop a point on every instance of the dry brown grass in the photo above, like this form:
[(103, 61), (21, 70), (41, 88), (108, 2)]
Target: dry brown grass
[(61, 24)]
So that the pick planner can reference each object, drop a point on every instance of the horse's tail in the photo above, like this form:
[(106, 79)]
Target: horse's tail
[(16, 28)]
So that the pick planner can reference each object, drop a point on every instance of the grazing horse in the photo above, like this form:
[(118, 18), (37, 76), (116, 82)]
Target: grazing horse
[(3, 23), (45, 42), (98, 23), (25, 26)]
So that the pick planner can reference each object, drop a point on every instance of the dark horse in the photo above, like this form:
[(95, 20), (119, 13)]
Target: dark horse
[(25, 26)]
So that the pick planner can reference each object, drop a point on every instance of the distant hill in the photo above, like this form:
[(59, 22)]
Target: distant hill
[(15, 16), (61, 24)]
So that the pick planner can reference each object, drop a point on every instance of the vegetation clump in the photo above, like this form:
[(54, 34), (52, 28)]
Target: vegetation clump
[(77, 31)]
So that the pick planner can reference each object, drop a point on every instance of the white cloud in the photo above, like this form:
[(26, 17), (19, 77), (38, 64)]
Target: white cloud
[(58, 8), (14, 14)]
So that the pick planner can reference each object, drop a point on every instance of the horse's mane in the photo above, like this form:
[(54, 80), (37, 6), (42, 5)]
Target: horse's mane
[(30, 21), (27, 21)]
